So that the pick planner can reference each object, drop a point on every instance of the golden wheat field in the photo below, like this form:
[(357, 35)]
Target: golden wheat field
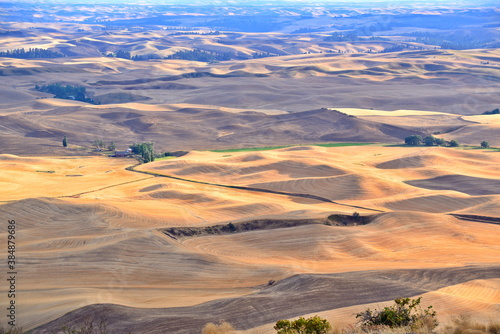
[(90, 232)]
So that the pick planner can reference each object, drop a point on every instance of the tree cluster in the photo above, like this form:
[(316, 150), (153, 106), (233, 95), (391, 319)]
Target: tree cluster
[(101, 144), (492, 112), (123, 54), (200, 55), (395, 48), (416, 140), (195, 55), (31, 53), (145, 150), (307, 30), (216, 32), (127, 55), (262, 55), (485, 144), (347, 36), (66, 92)]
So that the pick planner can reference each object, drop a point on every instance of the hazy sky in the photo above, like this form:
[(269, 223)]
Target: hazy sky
[(274, 2)]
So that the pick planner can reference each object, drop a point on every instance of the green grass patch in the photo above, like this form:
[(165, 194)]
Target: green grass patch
[(400, 145), (268, 148), (342, 144)]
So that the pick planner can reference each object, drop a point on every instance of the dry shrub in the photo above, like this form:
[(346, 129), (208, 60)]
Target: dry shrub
[(382, 329), (405, 314), (222, 328), (11, 330), (494, 327), (465, 325)]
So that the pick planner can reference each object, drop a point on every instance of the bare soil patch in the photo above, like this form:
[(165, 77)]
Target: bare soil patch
[(473, 186)]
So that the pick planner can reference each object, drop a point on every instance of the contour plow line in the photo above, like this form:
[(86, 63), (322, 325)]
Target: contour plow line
[(318, 198), (103, 188)]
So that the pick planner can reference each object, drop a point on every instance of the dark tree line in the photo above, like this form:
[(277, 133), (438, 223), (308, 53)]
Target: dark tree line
[(195, 55), (263, 55), (200, 55), (66, 92), (455, 41), (416, 140), (395, 48), (492, 112), (307, 30), (353, 36), (145, 57), (123, 54), (347, 36), (216, 32), (31, 53), (127, 55)]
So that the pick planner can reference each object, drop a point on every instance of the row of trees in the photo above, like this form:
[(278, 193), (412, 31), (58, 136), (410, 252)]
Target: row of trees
[(127, 55), (200, 55), (347, 36), (216, 32), (416, 140), (256, 55), (31, 53)]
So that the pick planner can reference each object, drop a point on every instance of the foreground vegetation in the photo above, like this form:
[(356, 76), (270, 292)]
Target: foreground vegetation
[(405, 313), (404, 316)]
